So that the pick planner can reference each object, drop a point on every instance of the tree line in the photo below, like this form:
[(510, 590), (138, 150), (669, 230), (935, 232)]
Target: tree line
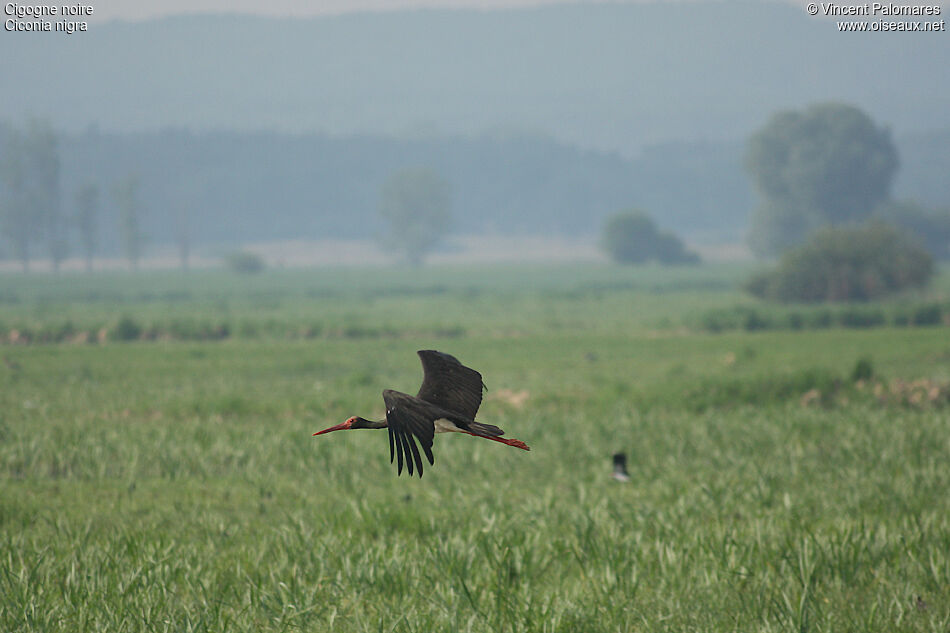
[(414, 202), (824, 176), (825, 168), (230, 188), (33, 214)]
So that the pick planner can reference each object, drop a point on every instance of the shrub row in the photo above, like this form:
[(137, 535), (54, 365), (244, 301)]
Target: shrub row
[(128, 329), (816, 387), (716, 393), (752, 318)]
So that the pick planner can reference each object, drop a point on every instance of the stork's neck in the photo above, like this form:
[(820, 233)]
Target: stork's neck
[(363, 423)]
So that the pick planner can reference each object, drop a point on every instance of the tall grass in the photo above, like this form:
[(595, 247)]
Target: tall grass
[(167, 486)]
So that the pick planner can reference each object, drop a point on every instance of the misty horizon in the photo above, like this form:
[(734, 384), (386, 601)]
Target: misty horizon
[(545, 118)]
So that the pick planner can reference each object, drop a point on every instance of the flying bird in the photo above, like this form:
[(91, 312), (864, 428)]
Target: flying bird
[(447, 402)]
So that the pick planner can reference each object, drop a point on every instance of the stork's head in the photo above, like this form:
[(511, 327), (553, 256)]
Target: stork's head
[(354, 422)]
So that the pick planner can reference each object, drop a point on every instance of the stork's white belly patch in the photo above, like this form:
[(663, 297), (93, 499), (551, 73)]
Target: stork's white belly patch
[(446, 426)]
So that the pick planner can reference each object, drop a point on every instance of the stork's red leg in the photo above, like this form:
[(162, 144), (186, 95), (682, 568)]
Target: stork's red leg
[(504, 440)]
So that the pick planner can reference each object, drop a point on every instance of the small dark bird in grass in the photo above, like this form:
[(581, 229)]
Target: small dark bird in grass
[(447, 402), (620, 467)]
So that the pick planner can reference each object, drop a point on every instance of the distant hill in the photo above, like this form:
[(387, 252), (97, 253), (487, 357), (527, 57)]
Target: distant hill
[(610, 76)]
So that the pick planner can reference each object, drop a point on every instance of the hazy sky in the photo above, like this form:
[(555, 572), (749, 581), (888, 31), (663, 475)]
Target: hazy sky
[(144, 9)]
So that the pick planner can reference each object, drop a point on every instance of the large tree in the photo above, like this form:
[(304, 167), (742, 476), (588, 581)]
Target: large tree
[(827, 164), (126, 194), (183, 236), (183, 209), (45, 167), (30, 205), (416, 203), (87, 202), (19, 226)]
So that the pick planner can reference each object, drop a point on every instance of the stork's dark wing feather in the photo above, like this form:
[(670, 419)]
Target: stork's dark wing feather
[(449, 384), (408, 420)]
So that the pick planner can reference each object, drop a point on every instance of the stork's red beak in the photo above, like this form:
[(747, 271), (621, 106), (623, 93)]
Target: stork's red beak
[(338, 427)]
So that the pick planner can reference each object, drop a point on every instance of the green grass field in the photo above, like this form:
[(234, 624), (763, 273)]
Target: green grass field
[(173, 485)]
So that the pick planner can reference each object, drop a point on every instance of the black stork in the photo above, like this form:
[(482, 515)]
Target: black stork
[(447, 402)]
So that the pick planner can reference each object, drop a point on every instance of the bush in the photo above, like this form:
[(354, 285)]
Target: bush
[(735, 318), (863, 370), (717, 321), (126, 329), (671, 251), (633, 238), (929, 314), (244, 262), (795, 320), (861, 318), (854, 263), (820, 319), (752, 321), (901, 318)]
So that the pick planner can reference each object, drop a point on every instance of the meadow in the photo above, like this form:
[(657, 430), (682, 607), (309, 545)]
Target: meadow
[(157, 470)]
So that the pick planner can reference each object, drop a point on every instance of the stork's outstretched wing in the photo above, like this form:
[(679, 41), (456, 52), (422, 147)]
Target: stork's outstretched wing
[(449, 384), (408, 420)]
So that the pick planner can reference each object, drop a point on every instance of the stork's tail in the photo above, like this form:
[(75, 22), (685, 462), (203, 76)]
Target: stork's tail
[(485, 430)]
